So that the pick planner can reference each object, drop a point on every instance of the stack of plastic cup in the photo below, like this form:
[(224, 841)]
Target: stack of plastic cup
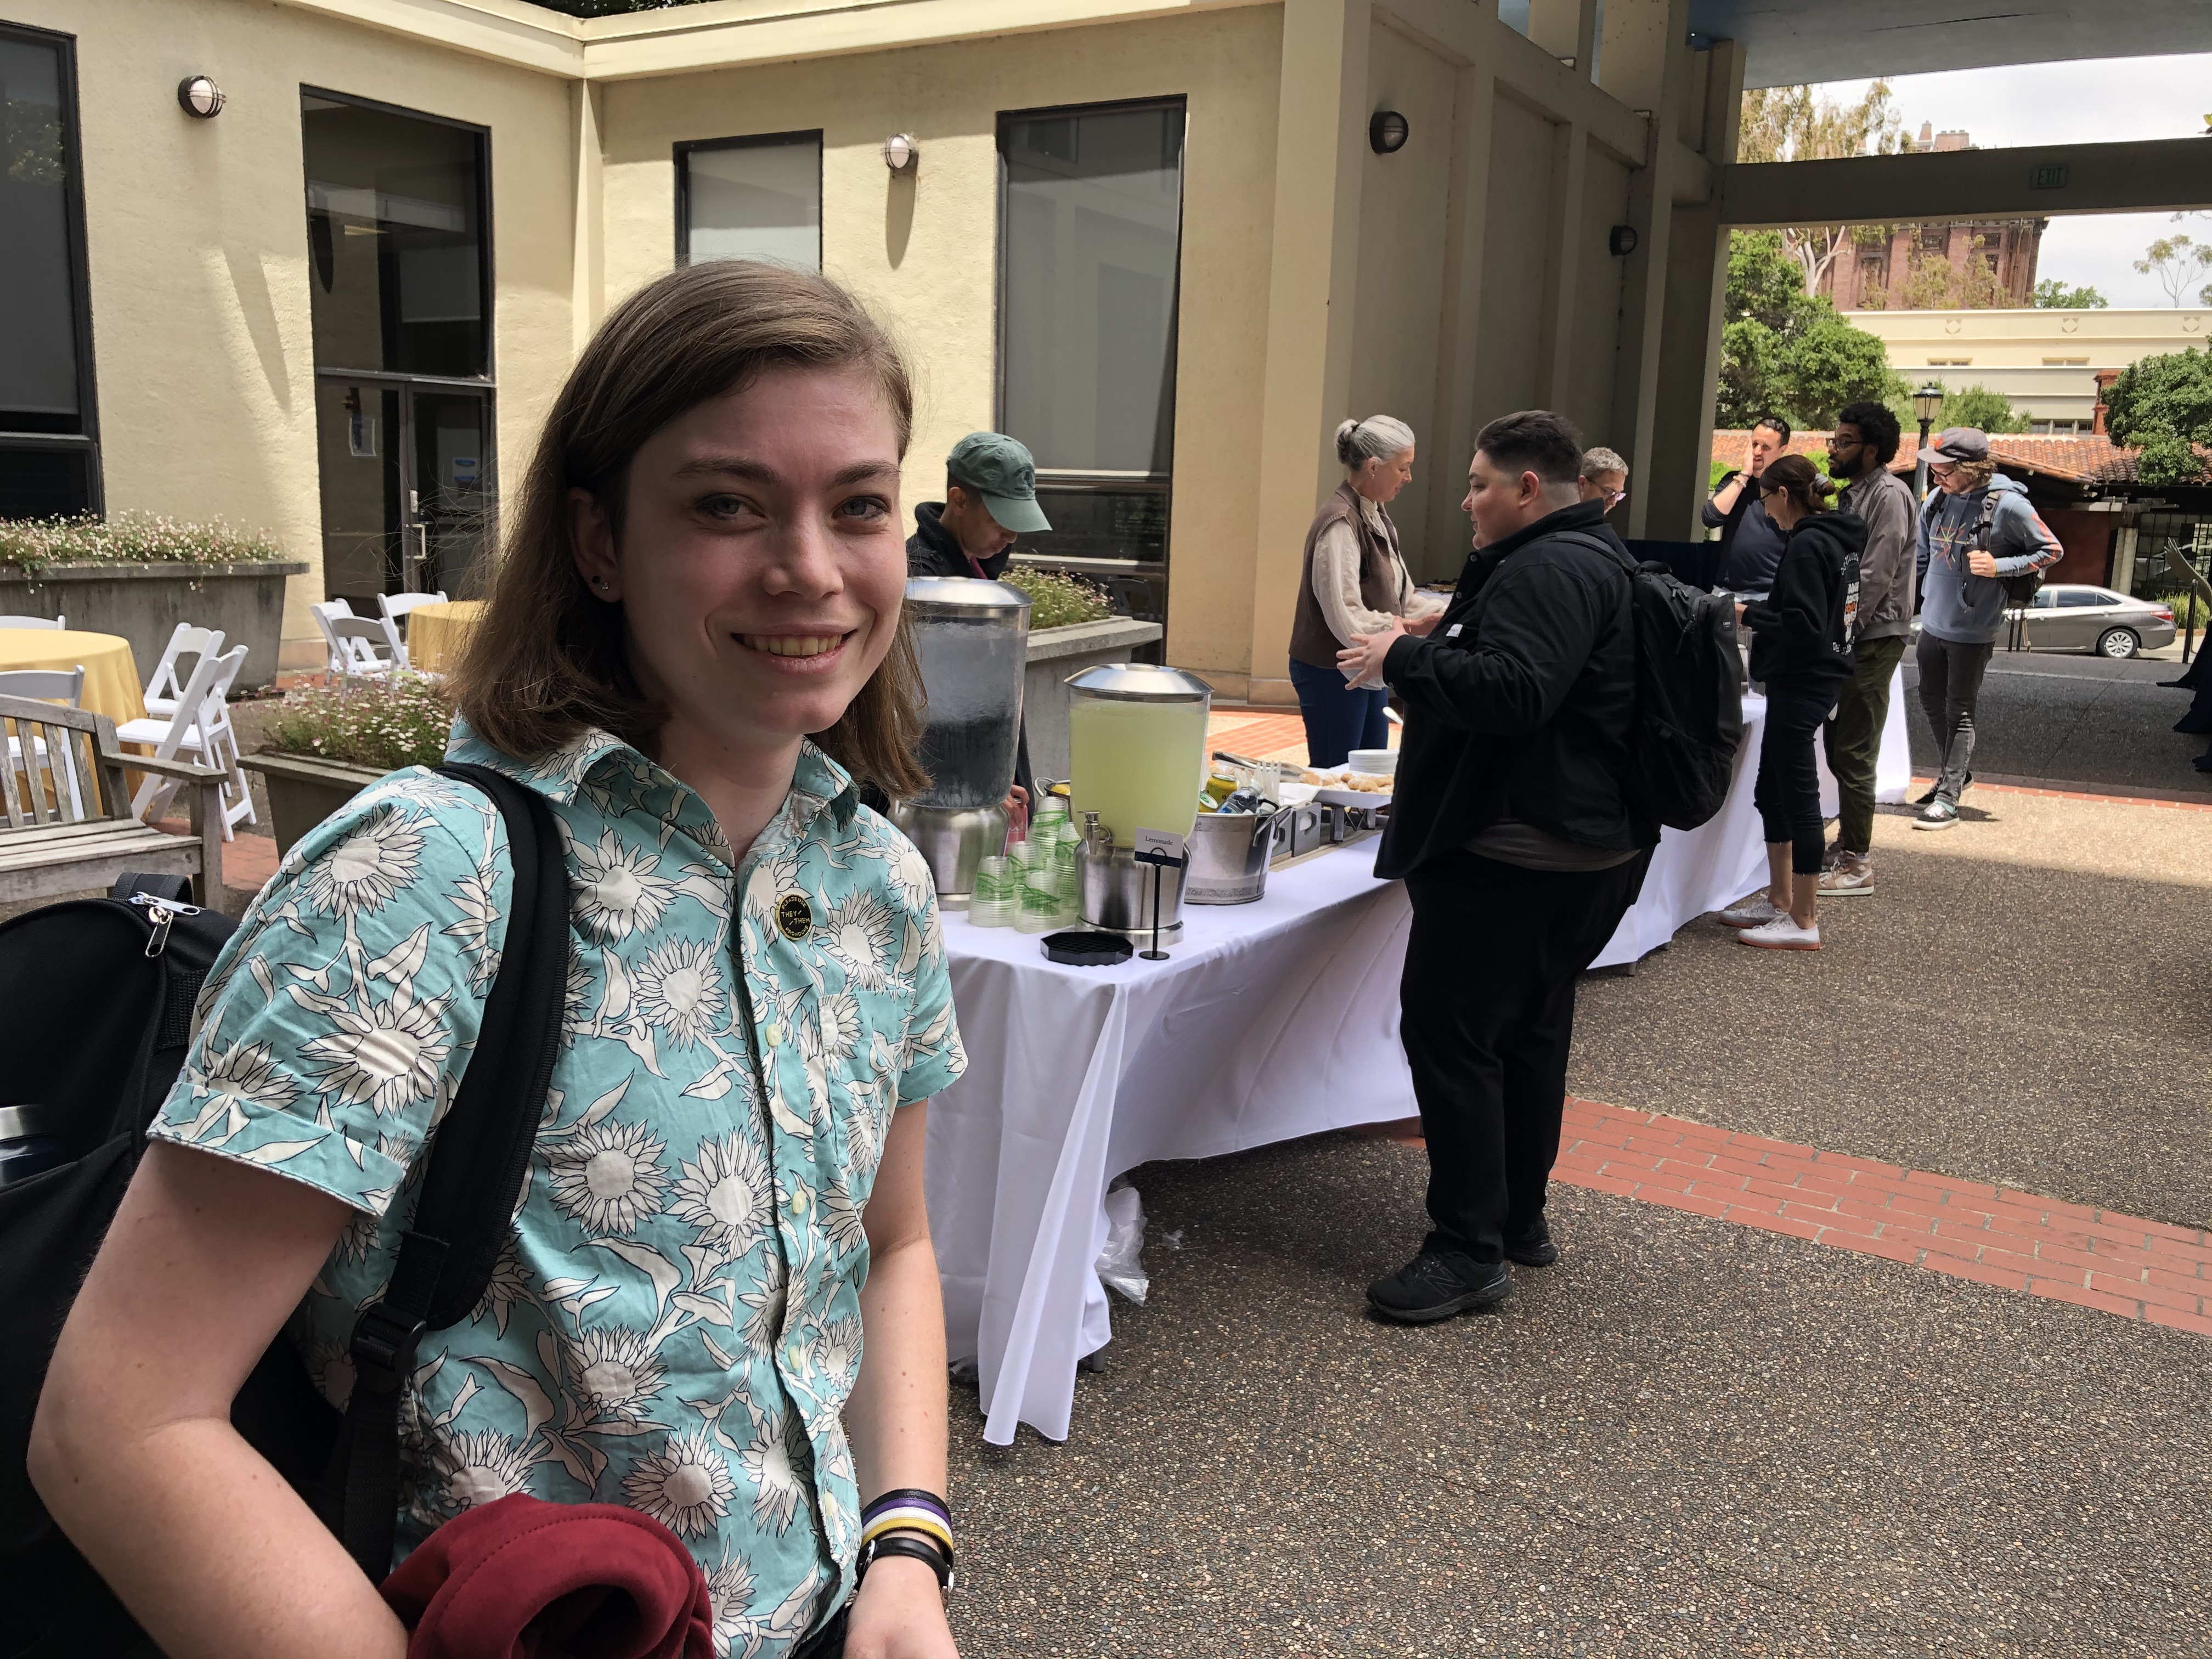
[(990, 906), (1039, 909), (1066, 881)]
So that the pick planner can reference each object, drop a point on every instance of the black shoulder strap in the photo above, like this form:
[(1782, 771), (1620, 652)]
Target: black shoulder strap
[(1988, 519), (474, 1178)]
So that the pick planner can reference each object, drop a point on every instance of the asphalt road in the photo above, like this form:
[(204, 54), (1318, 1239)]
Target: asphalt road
[(2075, 719), (1688, 1438)]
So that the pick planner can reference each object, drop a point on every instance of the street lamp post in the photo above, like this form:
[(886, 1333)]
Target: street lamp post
[(1927, 404)]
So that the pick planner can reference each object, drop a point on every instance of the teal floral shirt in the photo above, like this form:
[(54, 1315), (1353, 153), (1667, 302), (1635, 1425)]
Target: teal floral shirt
[(674, 1324)]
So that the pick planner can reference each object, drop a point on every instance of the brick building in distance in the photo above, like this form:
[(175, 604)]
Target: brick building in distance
[(1863, 275)]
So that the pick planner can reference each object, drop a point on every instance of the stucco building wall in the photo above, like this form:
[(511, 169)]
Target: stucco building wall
[(197, 247)]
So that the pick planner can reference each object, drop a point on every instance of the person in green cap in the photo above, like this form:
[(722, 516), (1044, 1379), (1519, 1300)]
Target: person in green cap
[(990, 498)]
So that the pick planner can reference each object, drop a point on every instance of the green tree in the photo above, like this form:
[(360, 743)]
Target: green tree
[(1784, 351), (2051, 294), (1790, 124), (2165, 404)]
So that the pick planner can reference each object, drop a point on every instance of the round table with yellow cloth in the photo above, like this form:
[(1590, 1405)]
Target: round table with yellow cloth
[(436, 634), (111, 673)]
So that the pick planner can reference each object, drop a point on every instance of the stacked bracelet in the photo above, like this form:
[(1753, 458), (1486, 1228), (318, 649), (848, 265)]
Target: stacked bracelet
[(909, 1512)]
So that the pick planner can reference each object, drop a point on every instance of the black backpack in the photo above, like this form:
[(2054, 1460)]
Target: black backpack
[(2021, 586), (105, 988), (1689, 695)]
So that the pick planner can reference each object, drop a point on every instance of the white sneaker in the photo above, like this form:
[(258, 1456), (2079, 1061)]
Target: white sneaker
[(1753, 912), (1781, 935)]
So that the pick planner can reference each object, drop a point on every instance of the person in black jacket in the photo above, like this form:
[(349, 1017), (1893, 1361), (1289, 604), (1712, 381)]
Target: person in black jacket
[(1519, 851), (1801, 649)]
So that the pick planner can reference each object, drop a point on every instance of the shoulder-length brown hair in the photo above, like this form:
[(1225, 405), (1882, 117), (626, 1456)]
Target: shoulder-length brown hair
[(548, 660)]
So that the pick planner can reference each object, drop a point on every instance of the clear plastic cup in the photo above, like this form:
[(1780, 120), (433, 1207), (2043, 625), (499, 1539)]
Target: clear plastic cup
[(993, 879)]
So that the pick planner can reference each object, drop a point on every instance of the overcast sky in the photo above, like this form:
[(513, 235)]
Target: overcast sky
[(2096, 100)]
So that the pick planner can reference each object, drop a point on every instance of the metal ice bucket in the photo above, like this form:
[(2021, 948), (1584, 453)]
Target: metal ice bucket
[(1229, 853)]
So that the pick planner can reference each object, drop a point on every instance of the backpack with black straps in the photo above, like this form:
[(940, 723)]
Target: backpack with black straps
[(1689, 694), (2022, 586), (104, 989)]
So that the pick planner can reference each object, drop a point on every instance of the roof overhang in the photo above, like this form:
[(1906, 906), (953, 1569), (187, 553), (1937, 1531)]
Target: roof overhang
[(1787, 42)]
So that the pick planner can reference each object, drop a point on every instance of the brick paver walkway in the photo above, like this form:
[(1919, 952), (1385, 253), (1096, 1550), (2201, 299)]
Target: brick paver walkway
[(2123, 1264)]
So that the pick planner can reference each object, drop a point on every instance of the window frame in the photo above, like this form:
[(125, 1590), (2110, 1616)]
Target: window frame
[(487, 288), (680, 157), (86, 440)]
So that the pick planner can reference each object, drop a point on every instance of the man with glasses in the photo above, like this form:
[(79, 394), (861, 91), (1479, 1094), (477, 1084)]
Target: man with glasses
[(1605, 481), (1863, 444), (1976, 530)]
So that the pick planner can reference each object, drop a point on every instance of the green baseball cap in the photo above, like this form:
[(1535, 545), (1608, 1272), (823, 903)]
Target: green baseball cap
[(1001, 471)]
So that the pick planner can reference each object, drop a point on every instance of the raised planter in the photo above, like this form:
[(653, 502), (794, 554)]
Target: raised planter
[(303, 791), (145, 602), (1057, 653)]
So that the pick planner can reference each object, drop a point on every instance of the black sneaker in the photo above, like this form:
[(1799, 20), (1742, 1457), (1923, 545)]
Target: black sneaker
[(1533, 1249), (1431, 1287)]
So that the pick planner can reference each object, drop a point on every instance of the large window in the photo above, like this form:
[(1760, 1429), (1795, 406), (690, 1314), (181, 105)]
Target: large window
[(1090, 226), (400, 292), (751, 198), (49, 452)]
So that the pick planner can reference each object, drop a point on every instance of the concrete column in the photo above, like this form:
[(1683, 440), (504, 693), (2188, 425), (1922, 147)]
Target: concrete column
[(1674, 442), (1647, 66), (1646, 54), (1569, 154), (588, 275), (1452, 424), (1313, 273), (1565, 28)]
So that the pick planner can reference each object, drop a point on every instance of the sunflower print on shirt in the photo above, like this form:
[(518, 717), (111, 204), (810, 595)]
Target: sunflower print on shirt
[(674, 1323)]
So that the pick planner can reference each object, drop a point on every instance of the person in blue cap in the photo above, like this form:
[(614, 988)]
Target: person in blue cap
[(990, 498)]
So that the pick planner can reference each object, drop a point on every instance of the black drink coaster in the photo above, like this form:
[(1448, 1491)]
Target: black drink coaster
[(1087, 949)]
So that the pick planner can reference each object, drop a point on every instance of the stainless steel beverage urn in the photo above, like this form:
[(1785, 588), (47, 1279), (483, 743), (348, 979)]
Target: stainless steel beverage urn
[(973, 639)]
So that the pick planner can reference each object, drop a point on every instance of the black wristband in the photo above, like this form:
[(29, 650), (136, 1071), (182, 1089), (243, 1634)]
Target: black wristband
[(919, 1546)]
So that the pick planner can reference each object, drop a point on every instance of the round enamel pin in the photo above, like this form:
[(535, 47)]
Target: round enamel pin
[(794, 916)]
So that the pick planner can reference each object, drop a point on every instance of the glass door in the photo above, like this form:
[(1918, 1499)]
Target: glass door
[(397, 234), (448, 501)]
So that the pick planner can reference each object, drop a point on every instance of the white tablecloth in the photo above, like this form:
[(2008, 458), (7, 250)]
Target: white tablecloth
[(1269, 1021), (1699, 870)]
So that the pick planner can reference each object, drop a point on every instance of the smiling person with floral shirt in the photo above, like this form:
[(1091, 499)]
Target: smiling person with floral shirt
[(719, 1303)]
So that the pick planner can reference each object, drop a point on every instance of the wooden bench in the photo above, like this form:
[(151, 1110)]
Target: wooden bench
[(68, 820)]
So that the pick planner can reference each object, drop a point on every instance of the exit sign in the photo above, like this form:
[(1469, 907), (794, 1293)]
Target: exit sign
[(2049, 176)]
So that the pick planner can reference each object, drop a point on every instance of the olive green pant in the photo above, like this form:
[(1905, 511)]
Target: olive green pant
[(1853, 739)]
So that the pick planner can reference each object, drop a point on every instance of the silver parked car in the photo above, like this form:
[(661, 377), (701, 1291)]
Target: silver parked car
[(2065, 616)]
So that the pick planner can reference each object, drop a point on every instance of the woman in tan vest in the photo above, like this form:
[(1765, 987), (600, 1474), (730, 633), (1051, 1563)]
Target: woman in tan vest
[(1352, 582)]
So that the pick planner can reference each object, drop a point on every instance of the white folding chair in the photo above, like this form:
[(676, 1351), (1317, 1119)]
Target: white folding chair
[(355, 642), (162, 687), (33, 622), (199, 731), (395, 607), (47, 685), (326, 611)]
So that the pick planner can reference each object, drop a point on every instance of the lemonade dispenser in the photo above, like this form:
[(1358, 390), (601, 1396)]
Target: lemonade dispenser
[(1136, 744)]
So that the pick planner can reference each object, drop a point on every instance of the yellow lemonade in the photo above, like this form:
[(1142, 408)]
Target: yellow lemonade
[(1138, 765)]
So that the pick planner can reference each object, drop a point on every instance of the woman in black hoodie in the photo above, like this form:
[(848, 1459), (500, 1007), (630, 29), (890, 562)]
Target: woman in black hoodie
[(1801, 647)]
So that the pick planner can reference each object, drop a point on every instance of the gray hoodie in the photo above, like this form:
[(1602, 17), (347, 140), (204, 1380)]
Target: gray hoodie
[(1954, 604)]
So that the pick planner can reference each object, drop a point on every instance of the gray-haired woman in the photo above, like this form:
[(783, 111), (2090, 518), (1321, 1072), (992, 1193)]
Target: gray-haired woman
[(1352, 582)]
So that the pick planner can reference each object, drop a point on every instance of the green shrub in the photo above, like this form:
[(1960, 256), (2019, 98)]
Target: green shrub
[(1056, 600), (401, 720), (129, 538)]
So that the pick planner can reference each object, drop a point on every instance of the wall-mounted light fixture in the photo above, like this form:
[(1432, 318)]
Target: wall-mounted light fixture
[(200, 98), (1621, 239), (1387, 133), (900, 152)]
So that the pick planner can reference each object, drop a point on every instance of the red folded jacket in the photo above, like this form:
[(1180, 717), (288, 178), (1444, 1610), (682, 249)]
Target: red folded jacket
[(524, 1579)]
